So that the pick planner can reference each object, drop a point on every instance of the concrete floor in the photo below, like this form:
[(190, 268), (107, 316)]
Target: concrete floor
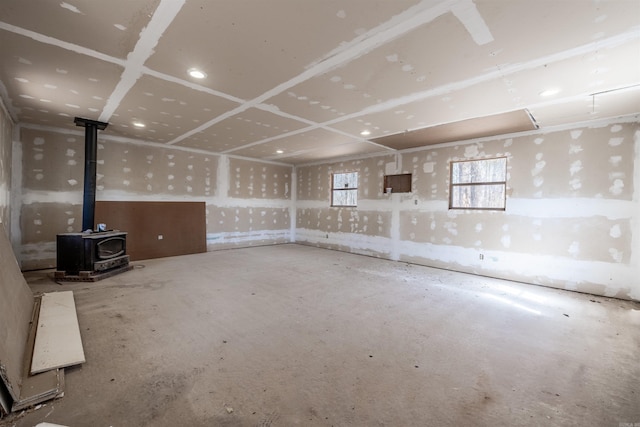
[(292, 335)]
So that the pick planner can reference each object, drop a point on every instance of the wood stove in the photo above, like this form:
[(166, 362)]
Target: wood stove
[(90, 255), (85, 253)]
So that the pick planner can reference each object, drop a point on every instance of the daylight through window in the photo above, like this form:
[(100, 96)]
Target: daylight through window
[(344, 189), (478, 184)]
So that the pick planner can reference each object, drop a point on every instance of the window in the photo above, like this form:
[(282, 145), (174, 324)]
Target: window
[(344, 189), (478, 184)]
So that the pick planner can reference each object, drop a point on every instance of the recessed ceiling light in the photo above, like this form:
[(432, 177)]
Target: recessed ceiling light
[(197, 74), (549, 92), (139, 124), (279, 151), (365, 133)]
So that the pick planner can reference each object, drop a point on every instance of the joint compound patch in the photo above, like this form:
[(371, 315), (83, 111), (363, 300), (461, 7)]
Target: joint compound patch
[(428, 167), (617, 187)]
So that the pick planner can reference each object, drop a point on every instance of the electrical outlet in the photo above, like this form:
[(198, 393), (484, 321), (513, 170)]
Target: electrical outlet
[(160, 237), (481, 257)]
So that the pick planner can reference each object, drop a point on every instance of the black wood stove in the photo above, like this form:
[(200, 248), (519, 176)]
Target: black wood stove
[(92, 254)]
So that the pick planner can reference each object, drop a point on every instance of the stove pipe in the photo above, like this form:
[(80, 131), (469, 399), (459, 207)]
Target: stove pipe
[(90, 169)]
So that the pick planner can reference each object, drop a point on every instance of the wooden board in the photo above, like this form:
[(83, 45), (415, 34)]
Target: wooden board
[(157, 229), (479, 127), (58, 341), (40, 388), (16, 309)]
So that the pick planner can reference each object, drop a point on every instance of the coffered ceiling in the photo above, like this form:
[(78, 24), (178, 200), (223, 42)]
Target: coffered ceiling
[(297, 81)]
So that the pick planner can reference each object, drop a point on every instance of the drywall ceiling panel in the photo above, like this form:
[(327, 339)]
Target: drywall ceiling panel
[(249, 47), (335, 152), (532, 29), (244, 128), (50, 85), (388, 66), (435, 108), (477, 127), (316, 139), (624, 102), (112, 30), (166, 109), (578, 76), (408, 64)]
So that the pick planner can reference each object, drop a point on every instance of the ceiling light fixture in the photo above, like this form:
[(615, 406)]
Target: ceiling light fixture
[(197, 74), (549, 92), (279, 151), (139, 124), (365, 133)]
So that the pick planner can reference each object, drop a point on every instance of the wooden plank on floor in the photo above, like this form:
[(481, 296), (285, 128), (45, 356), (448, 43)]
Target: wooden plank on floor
[(40, 388), (58, 341)]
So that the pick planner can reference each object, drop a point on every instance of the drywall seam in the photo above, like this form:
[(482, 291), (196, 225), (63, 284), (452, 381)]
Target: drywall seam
[(75, 198), (61, 44), (222, 178), (381, 205), (16, 192), (321, 148), (124, 140), (396, 200), (635, 221), (468, 15), (37, 251), (408, 20), (249, 203), (424, 7), (149, 37), (312, 126), (613, 209), (207, 125), (357, 243), (492, 75), (121, 196), (246, 236), (293, 211), (192, 85), (345, 159), (30, 197), (6, 106)]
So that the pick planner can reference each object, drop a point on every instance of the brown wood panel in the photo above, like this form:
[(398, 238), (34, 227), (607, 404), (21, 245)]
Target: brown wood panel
[(181, 225), (497, 124)]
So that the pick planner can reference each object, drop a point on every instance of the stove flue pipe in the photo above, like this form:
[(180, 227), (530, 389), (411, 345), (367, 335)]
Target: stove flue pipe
[(91, 128)]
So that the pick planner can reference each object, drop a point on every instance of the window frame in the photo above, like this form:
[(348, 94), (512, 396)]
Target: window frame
[(333, 190), (452, 185)]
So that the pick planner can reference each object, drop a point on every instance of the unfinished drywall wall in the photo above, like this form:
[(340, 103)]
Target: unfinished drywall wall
[(365, 230), (247, 202), (253, 204), (572, 217), (6, 135)]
